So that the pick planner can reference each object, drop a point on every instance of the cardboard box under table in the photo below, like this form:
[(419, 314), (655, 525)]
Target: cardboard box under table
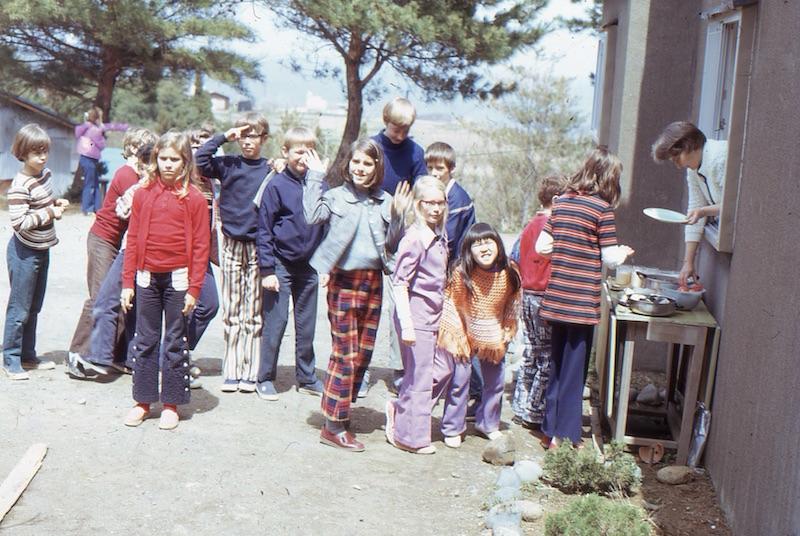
[(693, 338)]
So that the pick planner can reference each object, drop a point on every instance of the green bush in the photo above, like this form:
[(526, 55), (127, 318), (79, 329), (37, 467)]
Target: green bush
[(594, 515), (579, 471)]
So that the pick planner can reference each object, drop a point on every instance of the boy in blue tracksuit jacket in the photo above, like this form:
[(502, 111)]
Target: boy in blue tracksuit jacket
[(285, 243)]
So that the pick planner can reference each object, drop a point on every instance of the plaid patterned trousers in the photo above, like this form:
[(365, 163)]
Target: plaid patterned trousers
[(354, 309)]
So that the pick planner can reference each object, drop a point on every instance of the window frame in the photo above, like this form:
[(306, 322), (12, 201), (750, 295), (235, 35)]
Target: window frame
[(712, 109)]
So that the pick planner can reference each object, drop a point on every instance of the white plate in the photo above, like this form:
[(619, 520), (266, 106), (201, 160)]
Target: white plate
[(665, 215)]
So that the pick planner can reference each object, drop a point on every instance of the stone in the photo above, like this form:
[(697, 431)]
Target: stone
[(531, 511), (528, 471), (649, 396), (503, 515), (508, 477), (500, 451), (507, 493), (632, 394), (674, 475), (506, 530)]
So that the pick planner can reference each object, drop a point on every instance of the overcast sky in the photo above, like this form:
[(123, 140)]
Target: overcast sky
[(562, 53)]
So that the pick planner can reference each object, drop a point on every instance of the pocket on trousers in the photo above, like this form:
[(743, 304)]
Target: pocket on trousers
[(142, 278), (180, 279)]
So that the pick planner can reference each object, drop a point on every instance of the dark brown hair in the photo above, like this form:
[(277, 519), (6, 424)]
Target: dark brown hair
[(599, 175), (371, 149), (678, 138)]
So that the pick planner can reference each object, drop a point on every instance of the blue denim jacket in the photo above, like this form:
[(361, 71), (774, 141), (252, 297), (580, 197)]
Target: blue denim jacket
[(336, 208)]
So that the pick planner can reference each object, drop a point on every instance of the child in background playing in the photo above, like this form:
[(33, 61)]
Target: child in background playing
[(419, 280), (479, 318), (579, 237), (285, 245), (364, 222), (167, 255), (91, 136), (32, 211), (529, 394), (240, 178)]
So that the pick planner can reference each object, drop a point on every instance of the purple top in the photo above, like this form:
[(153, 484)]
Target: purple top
[(422, 267), (91, 140)]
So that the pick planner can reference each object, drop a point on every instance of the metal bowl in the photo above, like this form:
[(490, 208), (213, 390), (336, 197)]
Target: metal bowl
[(655, 305)]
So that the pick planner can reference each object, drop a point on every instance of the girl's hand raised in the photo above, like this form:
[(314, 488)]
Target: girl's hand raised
[(313, 163), (401, 199)]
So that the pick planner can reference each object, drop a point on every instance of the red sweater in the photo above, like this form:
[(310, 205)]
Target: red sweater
[(534, 269), (107, 225), (167, 233)]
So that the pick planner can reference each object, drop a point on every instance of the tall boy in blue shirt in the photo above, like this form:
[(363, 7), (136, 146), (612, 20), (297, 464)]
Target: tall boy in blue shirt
[(285, 243), (240, 177), (404, 160)]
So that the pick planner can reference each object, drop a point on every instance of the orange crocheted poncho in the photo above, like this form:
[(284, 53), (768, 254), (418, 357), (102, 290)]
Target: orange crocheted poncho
[(481, 323)]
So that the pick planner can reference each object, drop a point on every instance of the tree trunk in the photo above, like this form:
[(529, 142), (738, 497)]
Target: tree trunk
[(355, 109), (106, 82)]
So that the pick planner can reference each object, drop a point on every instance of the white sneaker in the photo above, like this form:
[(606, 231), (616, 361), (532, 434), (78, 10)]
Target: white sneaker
[(453, 442)]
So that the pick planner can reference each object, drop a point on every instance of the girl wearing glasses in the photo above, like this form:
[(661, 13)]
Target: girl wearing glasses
[(418, 283)]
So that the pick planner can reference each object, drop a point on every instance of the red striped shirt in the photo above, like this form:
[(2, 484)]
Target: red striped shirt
[(580, 226)]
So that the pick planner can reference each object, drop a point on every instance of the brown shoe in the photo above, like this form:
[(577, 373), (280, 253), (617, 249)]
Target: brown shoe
[(343, 441)]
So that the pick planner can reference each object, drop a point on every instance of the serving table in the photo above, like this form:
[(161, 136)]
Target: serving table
[(693, 338)]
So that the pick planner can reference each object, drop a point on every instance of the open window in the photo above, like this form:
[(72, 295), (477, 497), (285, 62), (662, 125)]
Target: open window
[(723, 105)]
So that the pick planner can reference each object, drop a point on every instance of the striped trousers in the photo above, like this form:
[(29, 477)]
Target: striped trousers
[(354, 310), (241, 310)]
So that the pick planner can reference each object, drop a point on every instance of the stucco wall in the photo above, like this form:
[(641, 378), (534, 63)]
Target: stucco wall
[(752, 452), (755, 435)]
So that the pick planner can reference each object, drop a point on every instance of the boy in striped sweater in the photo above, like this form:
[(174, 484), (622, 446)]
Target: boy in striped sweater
[(32, 210)]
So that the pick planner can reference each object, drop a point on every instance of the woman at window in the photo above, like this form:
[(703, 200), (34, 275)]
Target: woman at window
[(686, 146)]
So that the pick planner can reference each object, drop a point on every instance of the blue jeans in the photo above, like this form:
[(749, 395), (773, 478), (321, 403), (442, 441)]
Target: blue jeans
[(90, 196), (106, 343), (27, 274), (205, 310), (300, 284)]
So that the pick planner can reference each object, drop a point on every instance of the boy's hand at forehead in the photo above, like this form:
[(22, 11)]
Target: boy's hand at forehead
[(312, 161), (236, 133)]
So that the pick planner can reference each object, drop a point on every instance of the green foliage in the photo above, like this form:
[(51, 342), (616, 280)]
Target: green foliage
[(591, 19), (536, 134), (439, 45), (70, 53), (579, 471), (594, 515), (169, 106)]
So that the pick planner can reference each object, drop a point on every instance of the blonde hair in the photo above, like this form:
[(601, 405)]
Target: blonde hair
[(424, 184), (399, 111), (30, 139), (599, 175), (440, 152), (179, 142), (135, 138), (299, 137), (94, 114)]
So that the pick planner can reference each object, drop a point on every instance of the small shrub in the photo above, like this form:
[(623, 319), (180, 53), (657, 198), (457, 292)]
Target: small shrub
[(578, 470), (593, 515)]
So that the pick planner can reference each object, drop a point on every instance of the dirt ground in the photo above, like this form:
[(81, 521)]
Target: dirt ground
[(236, 464)]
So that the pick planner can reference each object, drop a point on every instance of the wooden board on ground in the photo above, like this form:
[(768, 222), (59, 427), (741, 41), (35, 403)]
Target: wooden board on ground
[(14, 485)]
